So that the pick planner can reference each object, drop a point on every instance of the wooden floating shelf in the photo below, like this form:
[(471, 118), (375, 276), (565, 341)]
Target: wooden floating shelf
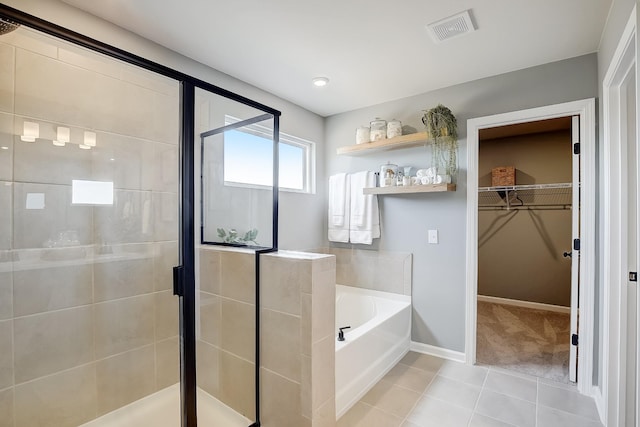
[(403, 141), (410, 189)]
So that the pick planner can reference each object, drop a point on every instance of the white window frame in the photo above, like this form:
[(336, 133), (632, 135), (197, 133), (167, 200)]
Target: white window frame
[(309, 153)]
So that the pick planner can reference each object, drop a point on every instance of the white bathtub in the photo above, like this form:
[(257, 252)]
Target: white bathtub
[(379, 337)]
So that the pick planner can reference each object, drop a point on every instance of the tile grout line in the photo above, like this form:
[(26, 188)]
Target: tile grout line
[(482, 388)]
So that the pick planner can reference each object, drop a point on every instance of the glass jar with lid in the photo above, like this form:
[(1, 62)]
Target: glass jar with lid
[(378, 129), (388, 175)]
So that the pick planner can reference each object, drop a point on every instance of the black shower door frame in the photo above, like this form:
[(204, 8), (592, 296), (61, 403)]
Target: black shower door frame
[(184, 274)]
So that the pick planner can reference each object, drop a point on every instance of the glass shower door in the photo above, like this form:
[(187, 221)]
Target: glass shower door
[(88, 237), (237, 196)]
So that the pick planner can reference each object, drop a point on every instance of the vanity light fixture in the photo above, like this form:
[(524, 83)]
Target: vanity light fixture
[(89, 140), (30, 132), (320, 81), (62, 136), (4, 148)]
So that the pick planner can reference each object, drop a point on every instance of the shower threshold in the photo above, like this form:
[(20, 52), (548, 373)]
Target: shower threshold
[(162, 409)]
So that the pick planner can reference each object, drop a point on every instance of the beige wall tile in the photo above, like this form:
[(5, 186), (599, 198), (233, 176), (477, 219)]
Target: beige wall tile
[(281, 283), (150, 80), (6, 190), (378, 270), (167, 362), (166, 312), (126, 161), (7, 67), (32, 227), (128, 220), (6, 140), (118, 279), (325, 416), (89, 60), (166, 168), (50, 342), (6, 408), (46, 289), (323, 363), (237, 382), (210, 270), (65, 399), (210, 318), (165, 258), (280, 343), (165, 216), (281, 407), (6, 354), (323, 271), (237, 278), (306, 387), (125, 378), (323, 306), (306, 337), (208, 368), (43, 162), (238, 328), (33, 40), (123, 325), (6, 294)]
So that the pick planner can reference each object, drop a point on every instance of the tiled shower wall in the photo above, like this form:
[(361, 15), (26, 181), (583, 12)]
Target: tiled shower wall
[(91, 327), (297, 334)]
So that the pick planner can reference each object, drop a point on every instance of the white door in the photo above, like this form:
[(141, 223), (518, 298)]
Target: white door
[(575, 254)]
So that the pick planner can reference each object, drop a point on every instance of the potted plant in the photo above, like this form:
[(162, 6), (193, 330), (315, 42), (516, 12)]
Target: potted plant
[(442, 127)]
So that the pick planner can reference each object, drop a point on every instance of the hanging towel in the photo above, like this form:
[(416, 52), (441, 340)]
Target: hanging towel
[(364, 216), (339, 208)]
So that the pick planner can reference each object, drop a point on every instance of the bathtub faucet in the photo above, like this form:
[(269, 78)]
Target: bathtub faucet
[(341, 333)]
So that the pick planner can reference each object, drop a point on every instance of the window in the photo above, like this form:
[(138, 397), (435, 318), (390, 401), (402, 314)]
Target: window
[(248, 159)]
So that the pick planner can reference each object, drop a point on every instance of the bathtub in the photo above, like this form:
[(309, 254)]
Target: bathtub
[(379, 337)]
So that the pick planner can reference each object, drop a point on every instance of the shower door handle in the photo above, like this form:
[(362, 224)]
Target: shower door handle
[(178, 288)]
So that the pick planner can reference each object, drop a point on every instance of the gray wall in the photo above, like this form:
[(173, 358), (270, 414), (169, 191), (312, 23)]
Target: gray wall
[(616, 22), (299, 213), (439, 270), (520, 251)]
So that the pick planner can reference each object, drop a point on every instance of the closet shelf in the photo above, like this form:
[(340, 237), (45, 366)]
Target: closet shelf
[(411, 189), (556, 194), (403, 141)]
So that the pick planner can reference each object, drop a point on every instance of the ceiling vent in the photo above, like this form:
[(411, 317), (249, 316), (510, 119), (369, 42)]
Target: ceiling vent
[(451, 27)]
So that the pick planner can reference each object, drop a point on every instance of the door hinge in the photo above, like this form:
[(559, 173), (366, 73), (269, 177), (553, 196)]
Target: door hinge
[(576, 148), (574, 339), (178, 288), (576, 244), (633, 276)]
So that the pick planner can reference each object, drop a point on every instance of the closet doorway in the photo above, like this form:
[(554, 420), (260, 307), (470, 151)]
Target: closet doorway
[(546, 185), (526, 223)]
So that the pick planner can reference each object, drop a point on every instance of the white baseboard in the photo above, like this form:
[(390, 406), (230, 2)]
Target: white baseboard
[(596, 393), (432, 350), (526, 304)]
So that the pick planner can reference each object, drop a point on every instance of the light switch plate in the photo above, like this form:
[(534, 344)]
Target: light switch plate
[(433, 237)]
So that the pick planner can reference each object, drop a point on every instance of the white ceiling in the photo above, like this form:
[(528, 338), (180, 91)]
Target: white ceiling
[(372, 51)]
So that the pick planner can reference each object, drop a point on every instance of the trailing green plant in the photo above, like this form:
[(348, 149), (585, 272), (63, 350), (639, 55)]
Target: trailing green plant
[(232, 236), (443, 131)]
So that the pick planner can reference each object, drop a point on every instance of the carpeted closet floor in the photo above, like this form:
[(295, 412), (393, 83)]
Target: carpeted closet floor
[(534, 342)]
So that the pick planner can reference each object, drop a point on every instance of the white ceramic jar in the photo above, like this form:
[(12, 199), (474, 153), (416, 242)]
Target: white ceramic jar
[(378, 129), (394, 128)]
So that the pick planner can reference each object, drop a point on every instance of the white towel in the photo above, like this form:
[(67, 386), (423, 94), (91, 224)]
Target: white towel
[(364, 218), (339, 198)]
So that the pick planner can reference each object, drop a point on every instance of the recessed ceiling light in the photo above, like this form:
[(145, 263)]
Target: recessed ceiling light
[(320, 81)]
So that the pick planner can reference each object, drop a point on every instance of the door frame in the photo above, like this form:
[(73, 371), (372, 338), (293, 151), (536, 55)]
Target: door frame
[(614, 355), (586, 109)]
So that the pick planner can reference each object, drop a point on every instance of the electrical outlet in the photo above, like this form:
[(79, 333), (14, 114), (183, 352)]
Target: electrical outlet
[(433, 237)]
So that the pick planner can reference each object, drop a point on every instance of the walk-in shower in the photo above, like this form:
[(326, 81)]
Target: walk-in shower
[(99, 180)]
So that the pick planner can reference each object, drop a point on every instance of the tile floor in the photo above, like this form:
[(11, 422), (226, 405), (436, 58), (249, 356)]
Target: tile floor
[(426, 391)]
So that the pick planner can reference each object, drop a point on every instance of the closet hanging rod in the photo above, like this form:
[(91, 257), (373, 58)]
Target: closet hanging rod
[(527, 187), (529, 207)]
